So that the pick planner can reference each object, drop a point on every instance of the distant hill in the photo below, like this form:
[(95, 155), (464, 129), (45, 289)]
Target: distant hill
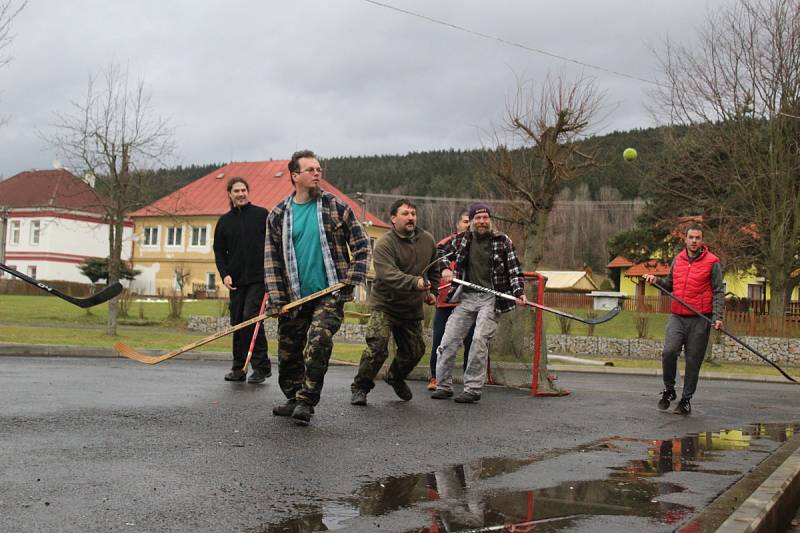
[(455, 172), (459, 172)]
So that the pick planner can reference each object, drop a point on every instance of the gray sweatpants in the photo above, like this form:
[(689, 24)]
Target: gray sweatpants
[(477, 308), (690, 333)]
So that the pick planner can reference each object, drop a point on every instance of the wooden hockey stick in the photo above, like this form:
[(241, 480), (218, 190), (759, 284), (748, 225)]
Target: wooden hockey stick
[(594, 321), (103, 296), (126, 351)]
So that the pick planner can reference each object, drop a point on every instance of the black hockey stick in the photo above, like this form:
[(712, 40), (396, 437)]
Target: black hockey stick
[(726, 332), (591, 321), (102, 296)]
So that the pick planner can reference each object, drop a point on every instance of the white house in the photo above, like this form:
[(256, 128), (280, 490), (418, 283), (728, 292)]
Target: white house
[(54, 221)]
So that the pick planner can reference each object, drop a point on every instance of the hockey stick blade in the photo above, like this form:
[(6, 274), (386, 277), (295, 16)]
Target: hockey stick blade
[(103, 296), (126, 351), (591, 321)]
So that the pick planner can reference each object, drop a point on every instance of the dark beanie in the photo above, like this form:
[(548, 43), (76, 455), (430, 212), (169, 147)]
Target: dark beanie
[(478, 207)]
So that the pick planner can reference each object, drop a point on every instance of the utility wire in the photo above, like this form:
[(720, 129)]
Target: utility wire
[(512, 43), (453, 199)]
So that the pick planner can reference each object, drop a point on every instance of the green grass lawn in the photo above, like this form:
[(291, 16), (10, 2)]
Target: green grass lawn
[(34, 310), (622, 326), (48, 320)]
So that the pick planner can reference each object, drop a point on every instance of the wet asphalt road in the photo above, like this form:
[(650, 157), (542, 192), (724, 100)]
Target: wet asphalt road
[(107, 444)]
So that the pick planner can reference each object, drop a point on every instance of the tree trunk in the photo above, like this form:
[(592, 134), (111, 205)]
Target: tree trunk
[(534, 240), (115, 230), (778, 291)]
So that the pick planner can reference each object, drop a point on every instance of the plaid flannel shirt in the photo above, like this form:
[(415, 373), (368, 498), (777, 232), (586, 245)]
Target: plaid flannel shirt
[(506, 270), (347, 240)]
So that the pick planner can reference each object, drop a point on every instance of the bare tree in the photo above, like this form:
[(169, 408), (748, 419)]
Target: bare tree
[(738, 90), (8, 12), (542, 125), (114, 136)]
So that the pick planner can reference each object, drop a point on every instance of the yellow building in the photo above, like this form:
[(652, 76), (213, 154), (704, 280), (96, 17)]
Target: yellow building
[(173, 237)]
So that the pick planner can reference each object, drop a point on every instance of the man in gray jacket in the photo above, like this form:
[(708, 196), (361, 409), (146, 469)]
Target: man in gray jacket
[(401, 287)]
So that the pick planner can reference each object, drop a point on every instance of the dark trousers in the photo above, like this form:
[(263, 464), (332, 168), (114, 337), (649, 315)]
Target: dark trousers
[(245, 304), (691, 334), (439, 323), (305, 342)]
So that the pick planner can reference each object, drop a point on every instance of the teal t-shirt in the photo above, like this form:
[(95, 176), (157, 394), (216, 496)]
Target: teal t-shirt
[(307, 248)]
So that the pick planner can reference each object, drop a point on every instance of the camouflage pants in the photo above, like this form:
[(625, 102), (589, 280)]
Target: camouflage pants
[(410, 348), (305, 341)]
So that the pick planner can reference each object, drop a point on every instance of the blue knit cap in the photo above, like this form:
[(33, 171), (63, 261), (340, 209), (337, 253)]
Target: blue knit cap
[(478, 207)]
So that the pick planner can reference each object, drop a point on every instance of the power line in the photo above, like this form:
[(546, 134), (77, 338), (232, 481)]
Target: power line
[(512, 43), (454, 199)]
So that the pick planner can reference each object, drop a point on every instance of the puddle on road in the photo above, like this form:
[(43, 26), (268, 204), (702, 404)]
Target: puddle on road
[(449, 498)]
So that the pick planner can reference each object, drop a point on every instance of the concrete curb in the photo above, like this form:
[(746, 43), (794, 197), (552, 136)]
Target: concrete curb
[(763, 500), (419, 373), (772, 505), (48, 350)]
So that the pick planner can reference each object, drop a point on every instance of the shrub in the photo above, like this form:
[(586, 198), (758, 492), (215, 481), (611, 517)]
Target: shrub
[(642, 321), (565, 324)]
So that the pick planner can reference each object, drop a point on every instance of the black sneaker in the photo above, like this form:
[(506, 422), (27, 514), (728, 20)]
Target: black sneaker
[(236, 375), (286, 409), (302, 413), (442, 394), (666, 396), (683, 407), (467, 397), (259, 376), (359, 397), (401, 389)]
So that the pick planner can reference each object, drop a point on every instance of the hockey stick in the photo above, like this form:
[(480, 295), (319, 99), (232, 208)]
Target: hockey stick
[(255, 334), (592, 321), (103, 296), (726, 332), (126, 351)]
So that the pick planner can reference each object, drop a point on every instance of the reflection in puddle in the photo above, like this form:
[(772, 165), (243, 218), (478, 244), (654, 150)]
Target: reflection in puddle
[(452, 502)]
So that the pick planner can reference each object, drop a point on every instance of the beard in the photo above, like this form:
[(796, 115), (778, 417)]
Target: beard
[(406, 230), (314, 192)]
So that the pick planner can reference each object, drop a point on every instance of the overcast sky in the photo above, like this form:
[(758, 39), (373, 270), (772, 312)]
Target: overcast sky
[(252, 80)]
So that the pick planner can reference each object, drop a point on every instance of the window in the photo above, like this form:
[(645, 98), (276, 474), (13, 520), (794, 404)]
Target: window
[(755, 291), (211, 281), (14, 231), (150, 237), (36, 230), (174, 236), (199, 236), (32, 272)]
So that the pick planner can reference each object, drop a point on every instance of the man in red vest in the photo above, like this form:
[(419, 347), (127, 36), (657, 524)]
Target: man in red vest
[(696, 278)]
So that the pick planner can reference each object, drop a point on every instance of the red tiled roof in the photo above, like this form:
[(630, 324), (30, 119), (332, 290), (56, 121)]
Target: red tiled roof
[(49, 188), (269, 184), (619, 262), (652, 266)]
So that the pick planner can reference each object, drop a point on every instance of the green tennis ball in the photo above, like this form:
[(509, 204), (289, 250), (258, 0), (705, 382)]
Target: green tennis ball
[(629, 154)]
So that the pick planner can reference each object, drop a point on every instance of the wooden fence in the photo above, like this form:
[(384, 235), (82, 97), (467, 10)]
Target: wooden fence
[(647, 304), (762, 325), (737, 322)]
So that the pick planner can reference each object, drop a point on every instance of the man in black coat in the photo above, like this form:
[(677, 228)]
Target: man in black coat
[(239, 254)]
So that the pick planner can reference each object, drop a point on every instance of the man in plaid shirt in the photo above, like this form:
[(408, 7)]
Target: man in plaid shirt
[(314, 241), (483, 257)]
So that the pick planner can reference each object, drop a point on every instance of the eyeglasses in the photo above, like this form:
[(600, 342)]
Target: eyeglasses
[(313, 170)]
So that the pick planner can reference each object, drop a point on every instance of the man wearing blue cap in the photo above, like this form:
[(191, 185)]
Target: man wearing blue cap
[(481, 256)]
